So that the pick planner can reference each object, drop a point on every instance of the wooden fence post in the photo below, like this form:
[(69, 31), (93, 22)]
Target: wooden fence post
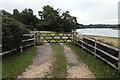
[(38, 36), (21, 48), (119, 62), (74, 37), (83, 40), (34, 39), (95, 48)]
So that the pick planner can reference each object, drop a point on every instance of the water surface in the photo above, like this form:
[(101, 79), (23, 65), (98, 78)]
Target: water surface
[(100, 32)]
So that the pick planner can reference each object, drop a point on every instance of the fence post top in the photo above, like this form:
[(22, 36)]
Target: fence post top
[(95, 39), (38, 33)]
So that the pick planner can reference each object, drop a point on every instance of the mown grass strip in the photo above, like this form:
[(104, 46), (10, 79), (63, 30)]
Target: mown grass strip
[(59, 67), (15, 64), (101, 69)]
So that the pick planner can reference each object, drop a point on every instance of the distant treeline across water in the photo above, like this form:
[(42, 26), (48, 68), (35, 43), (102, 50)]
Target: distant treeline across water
[(102, 26), (99, 26)]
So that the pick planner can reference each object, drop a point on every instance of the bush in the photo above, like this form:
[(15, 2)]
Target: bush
[(30, 27), (12, 32)]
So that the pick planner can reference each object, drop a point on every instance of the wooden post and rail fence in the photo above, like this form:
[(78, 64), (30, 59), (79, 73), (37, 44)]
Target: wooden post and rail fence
[(105, 52), (28, 42)]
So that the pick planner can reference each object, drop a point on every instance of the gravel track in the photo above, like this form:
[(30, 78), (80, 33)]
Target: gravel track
[(75, 68), (41, 64), (44, 58)]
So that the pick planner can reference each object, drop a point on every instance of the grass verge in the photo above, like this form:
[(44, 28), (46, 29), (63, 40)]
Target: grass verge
[(15, 64), (100, 69), (59, 67)]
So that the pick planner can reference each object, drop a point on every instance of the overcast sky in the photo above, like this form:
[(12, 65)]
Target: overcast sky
[(86, 11)]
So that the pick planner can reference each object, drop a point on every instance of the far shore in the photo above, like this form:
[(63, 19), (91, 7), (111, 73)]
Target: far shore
[(116, 28)]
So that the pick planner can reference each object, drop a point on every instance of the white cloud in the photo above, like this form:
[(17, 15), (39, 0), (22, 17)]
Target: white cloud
[(86, 11)]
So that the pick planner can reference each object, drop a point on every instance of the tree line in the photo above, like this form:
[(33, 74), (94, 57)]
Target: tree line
[(102, 26), (50, 19)]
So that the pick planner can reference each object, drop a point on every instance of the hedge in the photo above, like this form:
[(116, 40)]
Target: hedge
[(12, 32)]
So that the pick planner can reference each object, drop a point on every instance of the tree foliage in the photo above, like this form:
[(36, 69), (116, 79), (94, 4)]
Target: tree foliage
[(12, 32), (5, 13), (26, 17), (50, 19)]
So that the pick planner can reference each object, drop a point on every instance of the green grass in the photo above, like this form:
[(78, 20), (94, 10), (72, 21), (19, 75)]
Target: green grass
[(33, 31), (38, 44), (42, 31), (59, 67), (100, 69), (15, 64)]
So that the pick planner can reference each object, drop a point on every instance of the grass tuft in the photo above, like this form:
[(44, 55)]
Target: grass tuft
[(38, 44)]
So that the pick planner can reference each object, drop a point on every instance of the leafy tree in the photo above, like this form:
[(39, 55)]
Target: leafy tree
[(5, 13), (12, 32), (26, 17), (69, 22), (51, 19), (48, 18), (16, 15)]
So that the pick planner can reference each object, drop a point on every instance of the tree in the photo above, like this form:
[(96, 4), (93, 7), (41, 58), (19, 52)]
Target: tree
[(12, 32), (5, 14), (50, 19), (69, 22), (16, 15), (40, 14), (26, 17)]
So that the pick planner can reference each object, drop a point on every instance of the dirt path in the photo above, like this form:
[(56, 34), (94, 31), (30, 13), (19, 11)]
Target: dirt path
[(41, 64), (76, 69)]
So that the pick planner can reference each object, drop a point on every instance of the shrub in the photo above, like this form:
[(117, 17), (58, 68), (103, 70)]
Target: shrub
[(12, 32)]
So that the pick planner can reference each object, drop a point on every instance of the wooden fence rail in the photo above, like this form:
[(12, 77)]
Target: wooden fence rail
[(22, 46), (111, 58)]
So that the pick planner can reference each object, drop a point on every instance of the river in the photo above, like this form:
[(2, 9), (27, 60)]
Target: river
[(108, 32)]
